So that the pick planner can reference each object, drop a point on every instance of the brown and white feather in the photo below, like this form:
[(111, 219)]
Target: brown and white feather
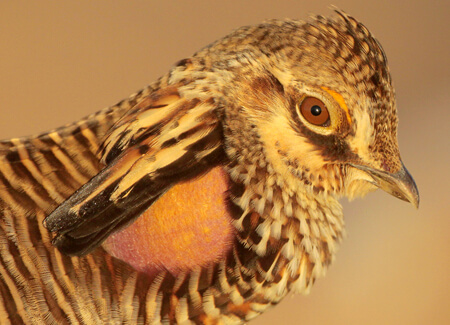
[(231, 104)]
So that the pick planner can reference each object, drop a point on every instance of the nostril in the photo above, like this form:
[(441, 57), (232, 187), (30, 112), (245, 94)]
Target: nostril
[(385, 166)]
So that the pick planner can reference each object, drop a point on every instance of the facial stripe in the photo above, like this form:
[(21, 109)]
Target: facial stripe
[(340, 100)]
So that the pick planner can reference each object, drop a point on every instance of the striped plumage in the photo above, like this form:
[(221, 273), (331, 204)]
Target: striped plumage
[(232, 106)]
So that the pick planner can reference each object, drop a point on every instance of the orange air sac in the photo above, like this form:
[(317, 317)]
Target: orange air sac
[(186, 227)]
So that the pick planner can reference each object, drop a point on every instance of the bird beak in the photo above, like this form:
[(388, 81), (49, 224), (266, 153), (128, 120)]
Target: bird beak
[(400, 184)]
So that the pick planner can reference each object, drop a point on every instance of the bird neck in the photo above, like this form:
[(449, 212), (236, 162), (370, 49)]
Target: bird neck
[(291, 232)]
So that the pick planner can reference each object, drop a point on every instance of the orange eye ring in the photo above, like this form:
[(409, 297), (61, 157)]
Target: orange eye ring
[(315, 111)]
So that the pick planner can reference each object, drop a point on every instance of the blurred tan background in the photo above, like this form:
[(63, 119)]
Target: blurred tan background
[(61, 60)]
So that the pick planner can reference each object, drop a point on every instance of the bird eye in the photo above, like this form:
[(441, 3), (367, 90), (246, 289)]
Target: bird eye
[(314, 111)]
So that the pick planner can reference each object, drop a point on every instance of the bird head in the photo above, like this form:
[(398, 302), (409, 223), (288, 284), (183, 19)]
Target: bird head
[(313, 103)]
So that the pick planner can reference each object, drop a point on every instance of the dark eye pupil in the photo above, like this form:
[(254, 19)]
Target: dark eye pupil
[(316, 110)]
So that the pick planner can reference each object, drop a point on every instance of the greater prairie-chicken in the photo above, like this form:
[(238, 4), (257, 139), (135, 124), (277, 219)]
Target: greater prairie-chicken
[(209, 195)]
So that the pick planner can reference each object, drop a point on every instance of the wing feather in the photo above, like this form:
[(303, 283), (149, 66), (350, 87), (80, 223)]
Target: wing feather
[(165, 139)]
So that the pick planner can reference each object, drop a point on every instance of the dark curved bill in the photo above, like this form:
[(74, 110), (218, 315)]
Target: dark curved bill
[(400, 184)]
